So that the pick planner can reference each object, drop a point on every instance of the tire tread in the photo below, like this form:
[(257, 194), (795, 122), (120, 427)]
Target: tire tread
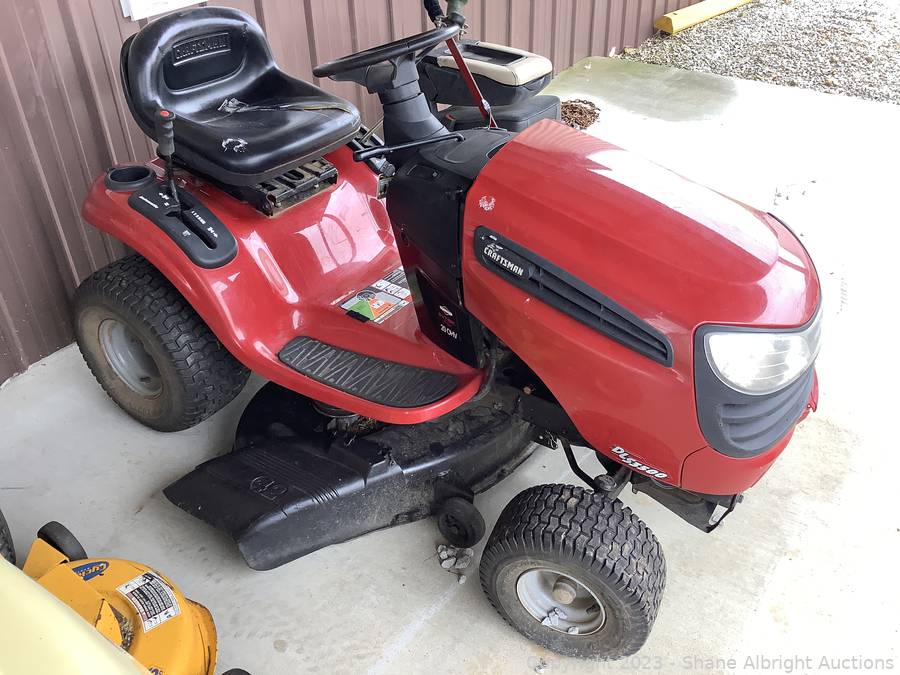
[(210, 375), (601, 534)]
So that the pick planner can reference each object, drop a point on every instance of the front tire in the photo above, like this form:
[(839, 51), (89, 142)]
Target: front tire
[(575, 572), (149, 349)]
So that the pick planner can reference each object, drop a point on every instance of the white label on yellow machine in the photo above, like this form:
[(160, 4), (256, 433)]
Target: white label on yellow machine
[(153, 599)]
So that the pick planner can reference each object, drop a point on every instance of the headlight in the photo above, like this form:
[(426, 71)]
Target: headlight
[(756, 363)]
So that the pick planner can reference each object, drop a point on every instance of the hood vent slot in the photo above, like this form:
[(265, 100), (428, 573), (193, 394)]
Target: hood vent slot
[(570, 295)]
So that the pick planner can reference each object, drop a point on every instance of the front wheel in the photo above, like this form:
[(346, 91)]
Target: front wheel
[(575, 572), (149, 349)]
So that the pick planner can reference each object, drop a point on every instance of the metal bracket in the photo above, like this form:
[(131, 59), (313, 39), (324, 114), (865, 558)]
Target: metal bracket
[(610, 484)]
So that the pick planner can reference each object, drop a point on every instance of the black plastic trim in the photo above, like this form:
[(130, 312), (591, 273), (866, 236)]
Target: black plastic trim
[(570, 295), (745, 425), (194, 228), (128, 178), (298, 480), (703, 511), (384, 382)]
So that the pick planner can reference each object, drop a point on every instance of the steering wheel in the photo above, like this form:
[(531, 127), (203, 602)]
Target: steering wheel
[(388, 52)]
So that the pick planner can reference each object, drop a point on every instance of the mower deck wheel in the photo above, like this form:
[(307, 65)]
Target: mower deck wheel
[(460, 522), (574, 571), (60, 538), (149, 350), (7, 551)]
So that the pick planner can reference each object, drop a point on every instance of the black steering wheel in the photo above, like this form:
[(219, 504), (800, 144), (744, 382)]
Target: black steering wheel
[(388, 52)]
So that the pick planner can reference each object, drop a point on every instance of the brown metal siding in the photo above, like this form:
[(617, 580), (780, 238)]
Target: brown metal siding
[(63, 119)]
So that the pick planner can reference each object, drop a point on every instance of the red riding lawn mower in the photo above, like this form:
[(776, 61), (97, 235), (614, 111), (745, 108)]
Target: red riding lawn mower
[(429, 306)]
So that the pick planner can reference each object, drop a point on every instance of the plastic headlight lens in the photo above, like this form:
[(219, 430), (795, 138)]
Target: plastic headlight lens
[(759, 363)]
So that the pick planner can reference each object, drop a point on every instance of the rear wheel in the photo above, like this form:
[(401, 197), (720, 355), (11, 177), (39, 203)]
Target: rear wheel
[(60, 538), (149, 349), (7, 551), (574, 571)]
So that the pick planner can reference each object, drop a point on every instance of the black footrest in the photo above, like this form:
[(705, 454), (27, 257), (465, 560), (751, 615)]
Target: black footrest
[(384, 382)]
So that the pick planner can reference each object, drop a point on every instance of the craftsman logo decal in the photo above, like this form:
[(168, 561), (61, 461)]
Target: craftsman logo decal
[(153, 599), (91, 569), (199, 46), (502, 258), (626, 459)]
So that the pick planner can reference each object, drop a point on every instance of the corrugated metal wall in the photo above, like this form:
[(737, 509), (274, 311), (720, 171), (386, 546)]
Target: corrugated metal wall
[(63, 120)]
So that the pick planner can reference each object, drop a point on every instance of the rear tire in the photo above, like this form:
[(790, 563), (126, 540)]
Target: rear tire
[(7, 550), (575, 572), (60, 538), (149, 349)]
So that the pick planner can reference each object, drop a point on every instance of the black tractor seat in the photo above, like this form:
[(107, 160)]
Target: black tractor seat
[(240, 120)]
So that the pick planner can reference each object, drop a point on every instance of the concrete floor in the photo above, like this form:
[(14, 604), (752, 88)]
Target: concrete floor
[(806, 568)]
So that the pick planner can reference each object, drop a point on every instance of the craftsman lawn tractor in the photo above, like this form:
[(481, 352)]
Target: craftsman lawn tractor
[(68, 613), (429, 306)]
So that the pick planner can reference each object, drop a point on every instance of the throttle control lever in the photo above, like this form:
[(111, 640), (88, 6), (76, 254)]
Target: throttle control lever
[(165, 138)]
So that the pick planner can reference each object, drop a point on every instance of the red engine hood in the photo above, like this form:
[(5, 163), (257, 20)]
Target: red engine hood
[(673, 252)]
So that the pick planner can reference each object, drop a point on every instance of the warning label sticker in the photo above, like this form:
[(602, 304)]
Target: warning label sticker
[(153, 599), (382, 299)]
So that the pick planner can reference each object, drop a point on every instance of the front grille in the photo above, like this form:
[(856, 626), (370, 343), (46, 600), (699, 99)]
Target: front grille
[(570, 295), (752, 425), (601, 316), (743, 425)]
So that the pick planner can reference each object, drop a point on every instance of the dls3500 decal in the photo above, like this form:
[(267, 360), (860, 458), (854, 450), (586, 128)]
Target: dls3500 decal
[(626, 459)]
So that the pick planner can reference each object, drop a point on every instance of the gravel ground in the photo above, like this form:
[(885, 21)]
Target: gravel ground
[(849, 47)]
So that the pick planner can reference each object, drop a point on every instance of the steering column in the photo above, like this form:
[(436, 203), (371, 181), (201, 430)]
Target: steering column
[(390, 72)]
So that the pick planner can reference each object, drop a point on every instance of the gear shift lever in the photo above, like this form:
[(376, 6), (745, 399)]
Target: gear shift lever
[(165, 137)]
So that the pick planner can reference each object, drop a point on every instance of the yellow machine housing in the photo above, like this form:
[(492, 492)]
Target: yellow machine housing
[(134, 607)]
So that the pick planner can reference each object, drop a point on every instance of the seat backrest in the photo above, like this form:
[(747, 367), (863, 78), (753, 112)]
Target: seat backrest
[(192, 60)]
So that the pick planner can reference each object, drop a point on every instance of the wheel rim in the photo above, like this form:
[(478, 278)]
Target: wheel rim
[(454, 527), (126, 355), (560, 602)]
